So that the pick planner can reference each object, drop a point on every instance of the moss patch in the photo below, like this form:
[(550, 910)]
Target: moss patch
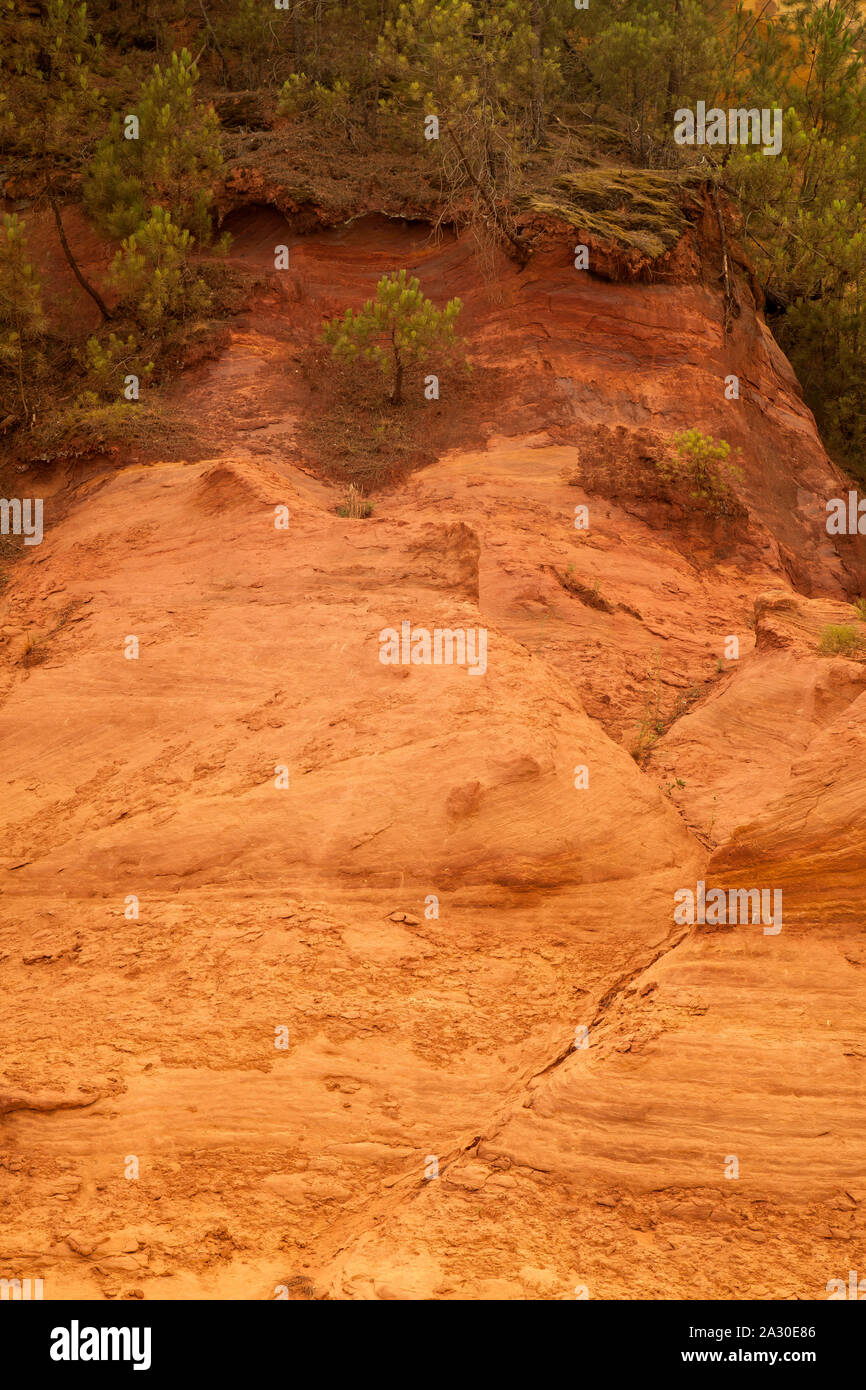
[(636, 208)]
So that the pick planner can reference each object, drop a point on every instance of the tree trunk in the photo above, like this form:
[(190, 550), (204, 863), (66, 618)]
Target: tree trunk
[(88, 288), (24, 404), (397, 392), (215, 42), (500, 218)]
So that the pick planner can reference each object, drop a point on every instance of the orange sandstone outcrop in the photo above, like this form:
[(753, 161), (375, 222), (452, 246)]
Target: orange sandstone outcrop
[(362, 980)]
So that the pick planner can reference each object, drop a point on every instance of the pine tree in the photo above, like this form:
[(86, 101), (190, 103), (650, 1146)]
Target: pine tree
[(50, 105), (400, 326), (805, 211), (48, 100), (21, 318), (153, 273), (645, 60), (700, 466), (173, 160), (486, 73)]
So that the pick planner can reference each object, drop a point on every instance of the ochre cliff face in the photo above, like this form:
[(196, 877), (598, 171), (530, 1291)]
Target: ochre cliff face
[(541, 1088)]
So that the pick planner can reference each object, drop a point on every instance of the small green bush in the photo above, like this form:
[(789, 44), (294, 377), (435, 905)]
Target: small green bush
[(108, 362), (153, 272), (91, 426), (699, 465), (841, 640)]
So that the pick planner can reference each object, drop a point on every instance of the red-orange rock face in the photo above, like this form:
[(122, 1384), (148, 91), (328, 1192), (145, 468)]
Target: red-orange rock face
[(363, 979)]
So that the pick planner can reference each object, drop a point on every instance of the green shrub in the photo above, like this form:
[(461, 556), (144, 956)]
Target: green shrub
[(699, 465), (153, 274), (21, 319), (175, 161), (108, 363), (841, 640), (91, 426)]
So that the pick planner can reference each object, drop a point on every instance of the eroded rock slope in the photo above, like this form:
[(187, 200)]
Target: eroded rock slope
[(247, 829)]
